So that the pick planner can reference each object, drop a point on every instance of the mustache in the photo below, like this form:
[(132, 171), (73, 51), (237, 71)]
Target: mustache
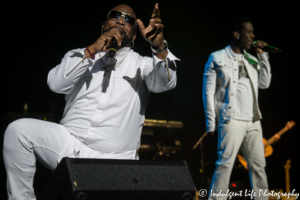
[(125, 40), (123, 33)]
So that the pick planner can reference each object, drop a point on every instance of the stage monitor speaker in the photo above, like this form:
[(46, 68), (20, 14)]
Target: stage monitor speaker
[(102, 179)]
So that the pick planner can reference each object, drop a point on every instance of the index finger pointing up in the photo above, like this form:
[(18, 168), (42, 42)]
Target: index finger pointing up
[(156, 12)]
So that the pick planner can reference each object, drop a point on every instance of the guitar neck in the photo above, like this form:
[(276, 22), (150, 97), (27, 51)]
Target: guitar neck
[(273, 139), (287, 180), (287, 167)]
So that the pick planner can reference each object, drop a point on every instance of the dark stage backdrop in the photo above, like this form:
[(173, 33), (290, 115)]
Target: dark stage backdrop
[(37, 35)]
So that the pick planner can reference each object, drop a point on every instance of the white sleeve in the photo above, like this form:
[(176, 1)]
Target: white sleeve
[(64, 76), (208, 94), (264, 78), (160, 75)]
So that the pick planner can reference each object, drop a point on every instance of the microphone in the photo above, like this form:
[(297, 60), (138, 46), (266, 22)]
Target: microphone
[(267, 48), (112, 50)]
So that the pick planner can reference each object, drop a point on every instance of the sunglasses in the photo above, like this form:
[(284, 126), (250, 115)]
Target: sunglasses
[(128, 19)]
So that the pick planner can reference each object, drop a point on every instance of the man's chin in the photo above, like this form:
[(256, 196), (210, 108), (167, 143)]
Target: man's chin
[(247, 47), (124, 43), (122, 46), (119, 47)]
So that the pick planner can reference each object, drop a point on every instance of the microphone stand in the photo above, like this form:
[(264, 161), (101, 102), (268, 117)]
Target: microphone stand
[(202, 155)]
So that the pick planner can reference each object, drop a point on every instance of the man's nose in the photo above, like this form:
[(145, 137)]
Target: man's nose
[(121, 21)]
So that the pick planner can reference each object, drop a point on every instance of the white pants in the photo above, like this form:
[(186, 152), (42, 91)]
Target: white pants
[(231, 137), (25, 141)]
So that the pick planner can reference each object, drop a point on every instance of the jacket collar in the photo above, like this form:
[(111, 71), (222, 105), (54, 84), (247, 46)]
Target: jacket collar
[(246, 55), (230, 52)]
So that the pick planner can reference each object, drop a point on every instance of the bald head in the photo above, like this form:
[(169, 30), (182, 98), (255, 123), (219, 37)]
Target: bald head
[(126, 9), (124, 25)]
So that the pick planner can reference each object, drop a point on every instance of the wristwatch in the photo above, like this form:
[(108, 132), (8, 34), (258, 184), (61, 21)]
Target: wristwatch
[(156, 51)]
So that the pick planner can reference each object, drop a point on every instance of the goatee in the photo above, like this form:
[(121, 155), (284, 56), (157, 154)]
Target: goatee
[(125, 40)]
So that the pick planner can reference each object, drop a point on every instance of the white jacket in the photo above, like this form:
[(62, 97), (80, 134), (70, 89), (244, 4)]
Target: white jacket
[(220, 83)]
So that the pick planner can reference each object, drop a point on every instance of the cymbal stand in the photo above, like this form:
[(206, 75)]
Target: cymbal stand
[(202, 156), (159, 151), (160, 147)]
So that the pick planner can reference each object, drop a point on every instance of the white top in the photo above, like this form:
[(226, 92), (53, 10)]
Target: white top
[(107, 113), (243, 104)]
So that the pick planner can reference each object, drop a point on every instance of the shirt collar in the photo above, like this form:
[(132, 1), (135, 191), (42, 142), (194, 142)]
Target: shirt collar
[(123, 51), (110, 63), (120, 54)]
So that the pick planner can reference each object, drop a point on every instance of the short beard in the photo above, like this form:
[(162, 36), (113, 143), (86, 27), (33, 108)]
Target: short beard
[(125, 40)]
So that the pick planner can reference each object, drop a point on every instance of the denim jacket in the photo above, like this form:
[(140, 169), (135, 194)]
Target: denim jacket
[(220, 83)]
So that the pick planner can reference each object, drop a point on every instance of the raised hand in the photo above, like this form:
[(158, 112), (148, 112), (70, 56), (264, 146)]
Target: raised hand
[(154, 33), (260, 45)]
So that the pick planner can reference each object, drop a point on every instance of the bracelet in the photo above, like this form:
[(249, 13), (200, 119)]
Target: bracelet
[(156, 51), (90, 53)]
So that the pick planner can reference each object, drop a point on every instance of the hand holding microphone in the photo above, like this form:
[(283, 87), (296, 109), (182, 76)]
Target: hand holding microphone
[(113, 48), (262, 46), (108, 40)]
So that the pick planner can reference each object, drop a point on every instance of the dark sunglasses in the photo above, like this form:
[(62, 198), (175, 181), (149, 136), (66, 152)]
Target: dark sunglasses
[(128, 19)]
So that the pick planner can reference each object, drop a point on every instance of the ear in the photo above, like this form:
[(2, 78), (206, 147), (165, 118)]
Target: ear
[(103, 24), (134, 36), (236, 35)]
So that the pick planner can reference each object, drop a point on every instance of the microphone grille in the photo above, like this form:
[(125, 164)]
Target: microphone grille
[(254, 44)]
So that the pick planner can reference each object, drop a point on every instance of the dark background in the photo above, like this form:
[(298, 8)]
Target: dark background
[(37, 35)]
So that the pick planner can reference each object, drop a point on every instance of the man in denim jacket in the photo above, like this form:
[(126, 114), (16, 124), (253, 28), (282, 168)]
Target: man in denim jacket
[(230, 95)]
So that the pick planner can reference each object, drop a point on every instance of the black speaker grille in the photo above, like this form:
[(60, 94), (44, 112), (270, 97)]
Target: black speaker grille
[(123, 179)]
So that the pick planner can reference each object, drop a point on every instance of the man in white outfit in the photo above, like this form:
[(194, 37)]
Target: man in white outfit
[(106, 100), (230, 96)]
